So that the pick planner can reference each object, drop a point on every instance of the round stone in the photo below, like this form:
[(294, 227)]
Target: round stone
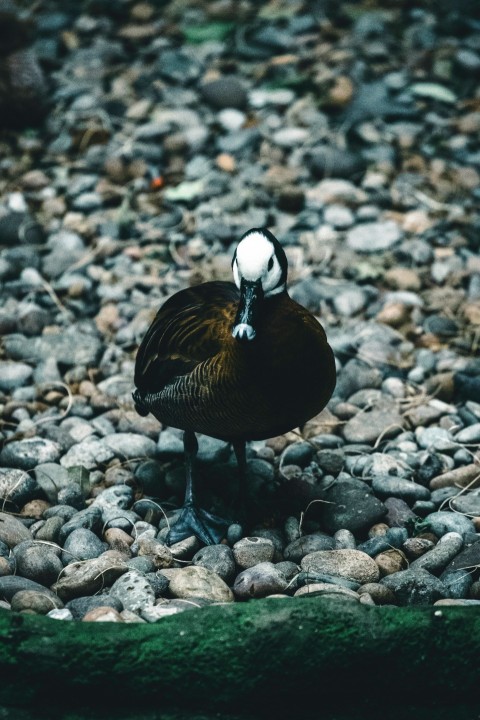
[(350, 564), (133, 590), (34, 601), (198, 582), (251, 551)]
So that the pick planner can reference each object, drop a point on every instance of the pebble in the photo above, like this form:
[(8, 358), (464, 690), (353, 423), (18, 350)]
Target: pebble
[(351, 507), (88, 577), (438, 557), (442, 522), (259, 581), (198, 582), (387, 486), (380, 594), (27, 454), (14, 375), (383, 421), (12, 531), (80, 606), (34, 601), (350, 564), (415, 587), (133, 591), (306, 544), (251, 551), (316, 589), (374, 236), (82, 544), (38, 562), (218, 559)]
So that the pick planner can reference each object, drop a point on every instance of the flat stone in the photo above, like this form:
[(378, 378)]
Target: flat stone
[(469, 435), (374, 236), (52, 478), (315, 589), (251, 551), (351, 506), (350, 564), (26, 454), (458, 477), (13, 375), (88, 577), (259, 581), (415, 587), (12, 531), (467, 559), (199, 582), (367, 427), (130, 445), (11, 584), (306, 544), (385, 486), (70, 347), (442, 522), (88, 454), (218, 559)]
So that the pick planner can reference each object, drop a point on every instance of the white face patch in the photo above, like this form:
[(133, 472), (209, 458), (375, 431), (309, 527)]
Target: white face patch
[(256, 260)]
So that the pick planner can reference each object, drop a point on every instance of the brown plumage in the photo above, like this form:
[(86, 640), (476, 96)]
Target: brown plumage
[(276, 373)]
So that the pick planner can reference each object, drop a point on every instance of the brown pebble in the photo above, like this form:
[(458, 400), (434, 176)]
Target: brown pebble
[(416, 547), (394, 314), (381, 594), (391, 561), (458, 477), (103, 614), (277, 444), (119, 540), (378, 530), (402, 279), (226, 162), (34, 601), (428, 536), (35, 509)]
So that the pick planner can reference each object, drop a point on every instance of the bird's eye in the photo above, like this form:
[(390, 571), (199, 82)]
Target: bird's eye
[(270, 263)]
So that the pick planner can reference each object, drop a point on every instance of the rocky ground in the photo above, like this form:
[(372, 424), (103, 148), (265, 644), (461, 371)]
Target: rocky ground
[(351, 131)]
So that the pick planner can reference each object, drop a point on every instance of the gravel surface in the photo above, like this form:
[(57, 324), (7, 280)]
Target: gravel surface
[(352, 133)]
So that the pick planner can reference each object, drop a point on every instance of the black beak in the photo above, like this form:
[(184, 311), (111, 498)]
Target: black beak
[(251, 293)]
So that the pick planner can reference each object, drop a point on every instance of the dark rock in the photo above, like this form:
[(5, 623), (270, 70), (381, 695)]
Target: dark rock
[(415, 587), (225, 92), (82, 605), (82, 544), (351, 506)]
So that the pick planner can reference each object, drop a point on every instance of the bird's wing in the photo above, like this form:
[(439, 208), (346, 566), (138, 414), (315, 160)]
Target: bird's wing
[(189, 328)]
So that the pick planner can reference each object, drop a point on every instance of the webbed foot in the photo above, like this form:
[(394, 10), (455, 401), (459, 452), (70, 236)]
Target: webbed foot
[(208, 528)]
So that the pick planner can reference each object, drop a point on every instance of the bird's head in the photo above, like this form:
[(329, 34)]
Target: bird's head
[(259, 268)]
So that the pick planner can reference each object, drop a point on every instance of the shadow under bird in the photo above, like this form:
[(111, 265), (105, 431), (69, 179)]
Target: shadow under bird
[(237, 362)]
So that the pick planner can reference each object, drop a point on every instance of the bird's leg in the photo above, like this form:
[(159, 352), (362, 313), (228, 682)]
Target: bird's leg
[(193, 520), (239, 450)]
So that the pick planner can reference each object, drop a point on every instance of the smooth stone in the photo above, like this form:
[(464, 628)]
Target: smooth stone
[(250, 551), (103, 614), (26, 454), (167, 608), (458, 477), (374, 237), (399, 513), (80, 606), (72, 495), (306, 544), (11, 584), (386, 485), (259, 581), (226, 92), (71, 347), (367, 427), (344, 540), (462, 602), (36, 601), (304, 578), (130, 445), (149, 475), (442, 522), (380, 594), (415, 587), (13, 375), (435, 439), (90, 454), (467, 559), (12, 531), (212, 450), (199, 582), (50, 530), (299, 453), (65, 512), (288, 569), (133, 590), (158, 582), (89, 518), (351, 506), (117, 496), (142, 564), (38, 562), (169, 444), (218, 559), (62, 614), (350, 564), (88, 577), (469, 435), (315, 589), (82, 544), (52, 478), (415, 547), (457, 582), (444, 551)]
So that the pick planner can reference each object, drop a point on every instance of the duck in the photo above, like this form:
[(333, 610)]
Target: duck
[(238, 361)]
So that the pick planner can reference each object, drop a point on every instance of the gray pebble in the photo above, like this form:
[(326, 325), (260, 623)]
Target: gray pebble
[(469, 435), (438, 557), (130, 445), (52, 478), (217, 558), (344, 540), (259, 581), (306, 544), (158, 582), (250, 551), (50, 530), (72, 495), (89, 518), (393, 538), (292, 529), (11, 584), (38, 562), (442, 522), (35, 601), (13, 375), (12, 531), (142, 564), (80, 606), (26, 454), (374, 236), (457, 582), (351, 506), (133, 590), (387, 485), (415, 587), (82, 544), (61, 614), (349, 564)]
